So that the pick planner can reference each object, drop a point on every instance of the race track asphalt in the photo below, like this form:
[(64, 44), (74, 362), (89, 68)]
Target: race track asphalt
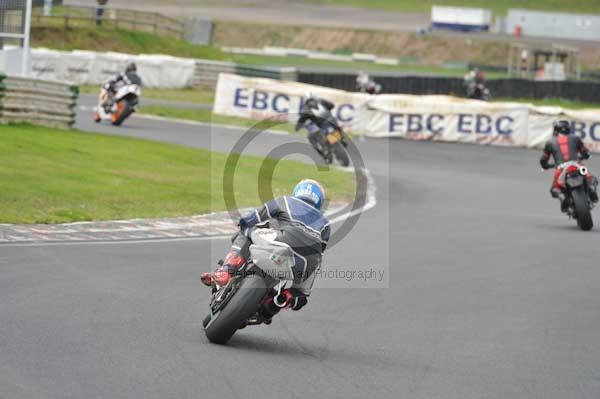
[(492, 294)]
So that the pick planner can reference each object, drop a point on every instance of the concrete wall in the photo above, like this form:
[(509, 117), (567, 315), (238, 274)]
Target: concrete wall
[(11, 59)]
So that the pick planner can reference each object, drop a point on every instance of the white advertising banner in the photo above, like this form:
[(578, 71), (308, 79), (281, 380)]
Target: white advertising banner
[(446, 118), (260, 98), (432, 117)]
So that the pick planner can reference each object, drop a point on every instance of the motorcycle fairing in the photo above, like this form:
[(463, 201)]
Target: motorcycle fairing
[(275, 258)]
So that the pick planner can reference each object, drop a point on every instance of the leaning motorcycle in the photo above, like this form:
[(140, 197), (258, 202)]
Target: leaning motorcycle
[(329, 143), (117, 104), (578, 204), (261, 281)]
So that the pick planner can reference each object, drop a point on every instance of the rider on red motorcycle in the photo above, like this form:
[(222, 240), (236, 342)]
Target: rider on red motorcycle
[(300, 224), (565, 147)]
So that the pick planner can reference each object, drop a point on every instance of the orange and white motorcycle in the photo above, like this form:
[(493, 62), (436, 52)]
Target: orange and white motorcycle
[(118, 103)]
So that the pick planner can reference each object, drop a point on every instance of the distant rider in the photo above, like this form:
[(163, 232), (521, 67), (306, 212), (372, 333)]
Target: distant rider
[(365, 84), (565, 147), (129, 77), (317, 111), (475, 76), (475, 84), (299, 223)]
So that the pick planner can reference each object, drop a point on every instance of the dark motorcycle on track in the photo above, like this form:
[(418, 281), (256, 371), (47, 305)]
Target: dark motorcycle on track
[(475, 86), (324, 132), (577, 203), (329, 142), (242, 301), (478, 91)]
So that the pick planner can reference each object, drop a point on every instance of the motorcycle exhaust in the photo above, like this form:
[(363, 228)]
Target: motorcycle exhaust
[(583, 171)]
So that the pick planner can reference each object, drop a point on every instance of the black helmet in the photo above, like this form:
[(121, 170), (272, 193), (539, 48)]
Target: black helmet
[(562, 127), (311, 103), (131, 67)]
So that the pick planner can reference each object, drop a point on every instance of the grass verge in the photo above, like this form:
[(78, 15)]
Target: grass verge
[(119, 40), (53, 176), (352, 67)]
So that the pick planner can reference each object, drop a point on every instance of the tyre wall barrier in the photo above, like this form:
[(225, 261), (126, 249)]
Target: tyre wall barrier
[(207, 72), (37, 101)]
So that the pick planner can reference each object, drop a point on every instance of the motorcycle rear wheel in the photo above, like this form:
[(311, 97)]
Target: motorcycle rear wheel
[(582, 208), (244, 303)]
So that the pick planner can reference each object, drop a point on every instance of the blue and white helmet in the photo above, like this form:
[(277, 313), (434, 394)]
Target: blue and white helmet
[(310, 191)]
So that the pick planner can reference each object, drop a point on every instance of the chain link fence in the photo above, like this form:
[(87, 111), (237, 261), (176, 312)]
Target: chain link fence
[(13, 15), (15, 22)]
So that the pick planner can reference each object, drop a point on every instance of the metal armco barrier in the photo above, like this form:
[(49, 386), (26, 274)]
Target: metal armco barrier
[(207, 72), (505, 88), (37, 101)]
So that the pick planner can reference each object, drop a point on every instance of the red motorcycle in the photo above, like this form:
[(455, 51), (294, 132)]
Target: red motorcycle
[(577, 203)]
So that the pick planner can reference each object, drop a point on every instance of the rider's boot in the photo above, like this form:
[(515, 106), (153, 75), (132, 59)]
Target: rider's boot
[(563, 204), (289, 298), (594, 189), (224, 271), (108, 104), (557, 193), (313, 139)]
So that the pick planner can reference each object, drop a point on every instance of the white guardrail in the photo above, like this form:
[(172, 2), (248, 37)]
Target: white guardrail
[(317, 55), (89, 67), (38, 101), (157, 71)]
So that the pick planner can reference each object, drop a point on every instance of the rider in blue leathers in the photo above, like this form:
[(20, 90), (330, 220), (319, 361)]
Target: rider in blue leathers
[(299, 223)]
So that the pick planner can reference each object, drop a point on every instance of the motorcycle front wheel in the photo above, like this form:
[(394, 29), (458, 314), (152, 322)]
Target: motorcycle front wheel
[(244, 303), (123, 111), (582, 209), (341, 154)]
